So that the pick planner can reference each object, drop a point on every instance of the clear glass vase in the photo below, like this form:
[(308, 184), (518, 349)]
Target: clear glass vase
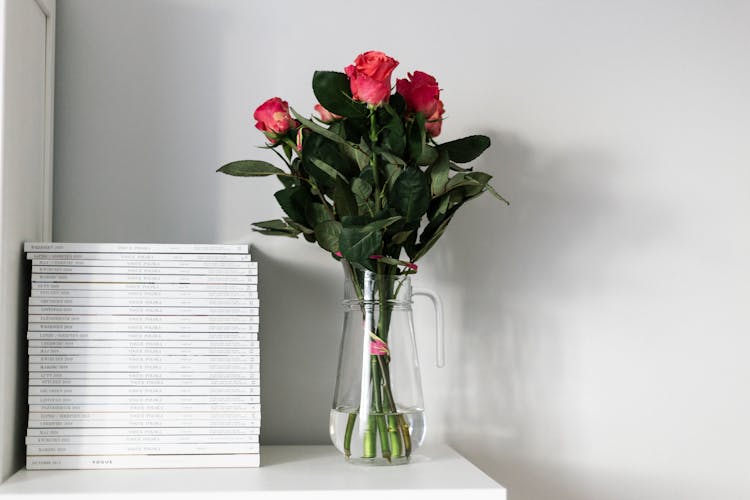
[(378, 410)]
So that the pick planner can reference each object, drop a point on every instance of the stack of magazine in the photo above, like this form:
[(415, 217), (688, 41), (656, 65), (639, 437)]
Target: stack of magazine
[(142, 356)]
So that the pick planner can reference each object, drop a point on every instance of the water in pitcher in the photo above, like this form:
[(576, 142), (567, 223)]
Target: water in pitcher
[(413, 421)]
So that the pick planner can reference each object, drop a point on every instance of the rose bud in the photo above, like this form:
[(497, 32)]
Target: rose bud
[(434, 123), (273, 118), (325, 115), (370, 77)]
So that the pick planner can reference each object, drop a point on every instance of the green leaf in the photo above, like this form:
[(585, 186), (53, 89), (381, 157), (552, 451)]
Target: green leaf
[(456, 168), (428, 157), (327, 169), (416, 137), (343, 199), (275, 224), (481, 179), (397, 103), (439, 206), (392, 172), (333, 92), (377, 225), (250, 168), (357, 244), (294, 201), (361, 188), (410, 194), (299, 227), (273, 232), (288, 181), (394, 262), (439, 174), (425, 247), (328, 234), (496, 194), (355, 220), (275, 227), (393, 132), (391, 158), (314, 127), (401, 237), (315, 213), (466, 149)]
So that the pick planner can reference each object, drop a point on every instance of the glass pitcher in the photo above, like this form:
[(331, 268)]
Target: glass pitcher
[(378, 410)]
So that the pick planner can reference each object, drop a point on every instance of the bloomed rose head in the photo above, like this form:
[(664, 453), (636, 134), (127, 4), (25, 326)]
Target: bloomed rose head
[(370, 77), (420, 91), (273, 119)]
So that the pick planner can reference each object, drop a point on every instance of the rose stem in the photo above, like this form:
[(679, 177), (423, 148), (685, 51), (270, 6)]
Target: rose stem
[(393, 425), (368, 441), (407, 437), (378, 409), (348, 433)]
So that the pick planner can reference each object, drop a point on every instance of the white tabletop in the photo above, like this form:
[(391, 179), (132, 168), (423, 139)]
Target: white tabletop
[(285, 472)]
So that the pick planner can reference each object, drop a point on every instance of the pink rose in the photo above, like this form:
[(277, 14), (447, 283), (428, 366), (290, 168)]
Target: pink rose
[(325, 115), (370, 77), (273, 118), (434, 123), (420, 91)]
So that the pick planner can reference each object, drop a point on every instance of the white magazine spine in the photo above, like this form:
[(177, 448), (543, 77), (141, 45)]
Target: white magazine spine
[(105, 292), (177, 439), (141, 367), (146, 287), (82, 382), (125, 422), (147, 344), (225, 407), (144, 359), (143, 279), (144, 327), (212, 390), (139, 302), (143, 351), (130, 319), (143, 336), (87, 256), (52, 247), (145, 431), (147, 416), (142, 462), (140, 449), (220, 272), (160, 376), (143, 310), (140, 399), (143, 263)]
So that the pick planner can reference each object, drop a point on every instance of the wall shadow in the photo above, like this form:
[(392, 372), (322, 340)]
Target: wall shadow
[(300, 331), (512, 362)]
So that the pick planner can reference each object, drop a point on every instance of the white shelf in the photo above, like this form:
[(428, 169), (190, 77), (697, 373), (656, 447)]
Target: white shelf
[(309, 472)]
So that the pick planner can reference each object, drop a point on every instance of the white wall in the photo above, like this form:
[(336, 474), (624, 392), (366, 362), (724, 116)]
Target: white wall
[(598, 339)]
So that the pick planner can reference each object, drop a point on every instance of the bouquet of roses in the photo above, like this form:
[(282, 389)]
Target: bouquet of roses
[(367, 180)]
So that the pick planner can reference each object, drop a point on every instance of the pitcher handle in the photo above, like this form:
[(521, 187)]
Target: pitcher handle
[(439, 329)]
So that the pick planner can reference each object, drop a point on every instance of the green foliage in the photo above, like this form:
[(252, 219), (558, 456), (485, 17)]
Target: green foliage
[(372, 184), (332, 91), (466, 149), (250, 168)]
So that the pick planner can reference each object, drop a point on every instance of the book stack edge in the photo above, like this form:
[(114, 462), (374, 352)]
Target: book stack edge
[(142, 356)]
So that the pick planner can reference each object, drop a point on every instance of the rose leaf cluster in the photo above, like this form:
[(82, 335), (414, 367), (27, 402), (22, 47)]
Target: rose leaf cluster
[(367, 181)]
